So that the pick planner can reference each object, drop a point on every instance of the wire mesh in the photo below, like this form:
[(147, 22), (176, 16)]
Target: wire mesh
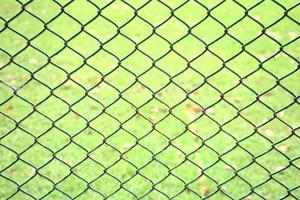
[(122, 99)]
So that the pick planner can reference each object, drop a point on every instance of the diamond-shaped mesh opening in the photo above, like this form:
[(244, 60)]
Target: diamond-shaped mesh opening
[(173, 29), (262, 17), (72, 9), (142, 129), (43, 10), (171, 59), (141, 189), (95, 138), (120, 46), (170, 126), (154, 12), (54, 139), (11, 113), (246, 30), (160, 142), (240, 96), (154, 46), (224, 16), (64, 26), (138, 95), (55, 170), (26, 25), (275, 32), (137, 30), (170, 191), (48, 43), (44, 155), (105, 154), (279, 190), (118, 13), (100, 185), (165, 155), (208, 24), (105, 124), (14, 76), (176, 96), (163, 79), (12, 41), (72, 185), (189, 47), (122, 170), (71, 154), (273, 65), (150, 99), (101, 29), (41, 186), (103, 66), (89, 194), (34, 87), (83, 48), (226, 47), (196, 12), (31, 59), (51, 76), (65, 91), (64, 125), (53, 107), (133, 155), (122, 115), (19, 172), (100, 94), (60, 62), (94, 171), (120, 79), (256, 47), (94, 108), (196, 79), (122, 141), (18, 140), (210, 129), (88, 76)]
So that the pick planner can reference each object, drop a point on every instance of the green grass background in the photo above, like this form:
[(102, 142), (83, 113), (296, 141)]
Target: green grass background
[(79, 118)]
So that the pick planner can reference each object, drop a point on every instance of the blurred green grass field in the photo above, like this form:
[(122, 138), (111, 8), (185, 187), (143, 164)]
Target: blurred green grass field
[(85, 116)]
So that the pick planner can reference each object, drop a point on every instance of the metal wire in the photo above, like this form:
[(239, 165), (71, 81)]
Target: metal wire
[(155, 95)]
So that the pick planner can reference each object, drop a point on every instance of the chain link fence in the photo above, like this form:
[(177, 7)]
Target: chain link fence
[(149, 99)]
